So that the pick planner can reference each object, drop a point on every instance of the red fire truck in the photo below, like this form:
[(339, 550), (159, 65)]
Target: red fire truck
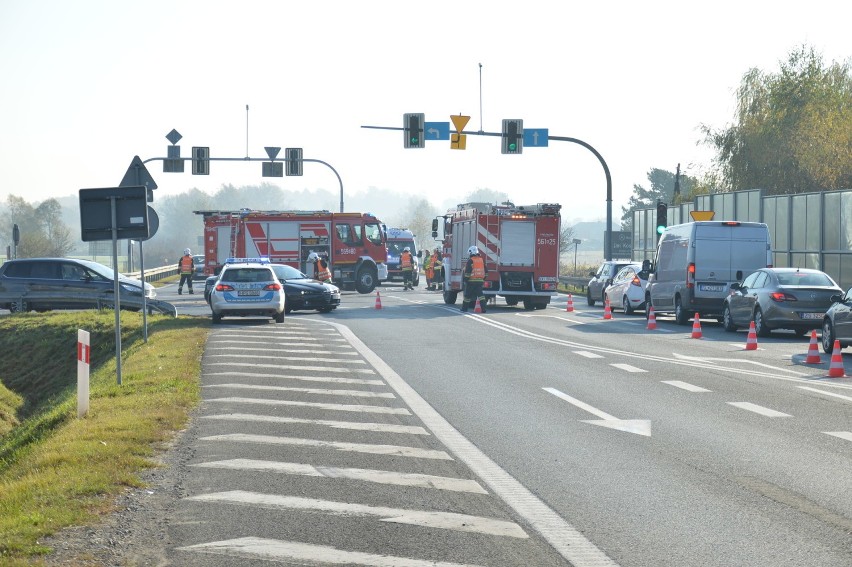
[(520, 245), (354, 243)]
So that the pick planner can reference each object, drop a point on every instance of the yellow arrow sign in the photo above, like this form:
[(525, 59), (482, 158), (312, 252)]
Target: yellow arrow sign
[(702, 215), (460, 122)]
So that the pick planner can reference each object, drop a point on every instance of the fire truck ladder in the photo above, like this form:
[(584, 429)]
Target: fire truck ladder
[(492, 225), (235, 225)]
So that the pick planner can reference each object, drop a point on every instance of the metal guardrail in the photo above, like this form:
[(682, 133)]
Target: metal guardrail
[(87, 301), (578, 281), (155, 274)]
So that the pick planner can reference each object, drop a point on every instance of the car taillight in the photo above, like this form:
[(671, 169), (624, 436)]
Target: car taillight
[(690, 275), (636, 281), (224, 287), (781, 296), (273, 287)]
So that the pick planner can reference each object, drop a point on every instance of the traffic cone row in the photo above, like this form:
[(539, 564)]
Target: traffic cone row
[(378, 301), (836, 369), (813, 351), (569, 307), (751, 341), (652, 319), (607, 310), (696, 327)]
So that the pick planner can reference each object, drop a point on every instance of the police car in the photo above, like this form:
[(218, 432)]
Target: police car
[(247, 287)]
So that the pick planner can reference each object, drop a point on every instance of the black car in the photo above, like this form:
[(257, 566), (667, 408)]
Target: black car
[(43, 284), (837, 323), (302, 292)]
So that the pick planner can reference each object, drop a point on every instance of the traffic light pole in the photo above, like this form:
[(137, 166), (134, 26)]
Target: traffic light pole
[(608, 234), (339, 180)]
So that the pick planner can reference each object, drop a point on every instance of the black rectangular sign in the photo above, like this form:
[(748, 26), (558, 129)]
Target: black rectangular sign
[(131, 213)]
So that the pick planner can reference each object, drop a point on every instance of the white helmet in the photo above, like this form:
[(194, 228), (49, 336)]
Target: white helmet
[(406, 249), (472, 251), (313, 257), (187, 251)]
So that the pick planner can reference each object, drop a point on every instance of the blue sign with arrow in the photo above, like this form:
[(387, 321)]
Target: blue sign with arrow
[(437, 130), (535, 137)]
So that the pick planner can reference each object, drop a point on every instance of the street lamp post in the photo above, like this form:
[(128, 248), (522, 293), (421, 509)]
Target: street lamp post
[(577, 241)]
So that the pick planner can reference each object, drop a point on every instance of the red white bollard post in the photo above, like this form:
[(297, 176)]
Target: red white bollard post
[(83, 355)]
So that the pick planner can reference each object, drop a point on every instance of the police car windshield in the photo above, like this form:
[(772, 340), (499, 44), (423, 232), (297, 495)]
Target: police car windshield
[(284, 272)]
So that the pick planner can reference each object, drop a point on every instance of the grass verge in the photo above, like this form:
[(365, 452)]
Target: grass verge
[(57, 470)]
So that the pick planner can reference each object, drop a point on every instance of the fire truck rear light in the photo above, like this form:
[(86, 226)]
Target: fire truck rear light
[(547, 286), (486, 285)]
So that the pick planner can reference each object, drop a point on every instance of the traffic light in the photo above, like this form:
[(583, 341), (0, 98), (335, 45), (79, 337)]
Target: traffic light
[(412, 124), (513, 136), (294, 161), (662, 217), (200, 161)]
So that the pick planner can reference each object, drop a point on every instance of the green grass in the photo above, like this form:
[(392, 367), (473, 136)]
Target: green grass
[(57, 470)]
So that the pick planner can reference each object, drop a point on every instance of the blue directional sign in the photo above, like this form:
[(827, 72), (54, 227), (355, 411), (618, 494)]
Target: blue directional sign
[(535, 137), (437, 130)]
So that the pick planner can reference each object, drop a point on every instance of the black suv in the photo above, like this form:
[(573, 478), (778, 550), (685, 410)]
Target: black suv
[(42, 284), (602, 278)]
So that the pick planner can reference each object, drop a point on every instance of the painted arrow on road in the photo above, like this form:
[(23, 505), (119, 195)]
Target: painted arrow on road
[(638, 426)]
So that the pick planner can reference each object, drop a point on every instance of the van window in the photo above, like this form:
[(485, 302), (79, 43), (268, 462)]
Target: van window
[(45, 270), (72, 272), (18, 270)]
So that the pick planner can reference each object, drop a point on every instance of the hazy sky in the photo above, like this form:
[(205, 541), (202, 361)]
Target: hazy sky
[(86, 85)]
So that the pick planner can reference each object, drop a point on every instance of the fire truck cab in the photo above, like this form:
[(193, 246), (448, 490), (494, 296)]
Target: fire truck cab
[(520, 245)]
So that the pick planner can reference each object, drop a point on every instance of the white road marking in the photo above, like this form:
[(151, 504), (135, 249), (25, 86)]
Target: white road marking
[(266, 341), (638, 426), (550, 317), (628, 368), (355, 425), (294, 358), (440, 520), (366, 475), (281, 349), (396, 450), (759, 409), (847, 435), (318, 405), (329, 379), (847, 398), (319, 391), (293, 367), (310, 554), (713, 360), (565, 538), (685, 386), (588, 354)]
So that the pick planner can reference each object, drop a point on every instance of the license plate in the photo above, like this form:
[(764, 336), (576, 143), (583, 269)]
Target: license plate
[(249, 292), (709, 287), (812, 315)]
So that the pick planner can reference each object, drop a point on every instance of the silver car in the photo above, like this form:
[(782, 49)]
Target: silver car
[(780, 298), (246, 289), (627, 290), (837, 323)]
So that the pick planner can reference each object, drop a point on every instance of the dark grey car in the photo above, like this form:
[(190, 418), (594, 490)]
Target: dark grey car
[(601, 278), (43, 284), (837, 323), (779, 298)]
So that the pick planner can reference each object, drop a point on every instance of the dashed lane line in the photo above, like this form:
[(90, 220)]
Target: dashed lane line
[(685, 386), (370, 448), (759, 409), (366, 475), (628, 367)]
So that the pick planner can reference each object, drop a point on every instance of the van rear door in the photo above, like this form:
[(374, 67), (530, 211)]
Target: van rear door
[(723, 250)]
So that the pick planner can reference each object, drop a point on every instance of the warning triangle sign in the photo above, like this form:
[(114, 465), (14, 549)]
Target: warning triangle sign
[(137, 174)]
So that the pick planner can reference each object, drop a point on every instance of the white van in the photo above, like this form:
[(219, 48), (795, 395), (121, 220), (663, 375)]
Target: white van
[(698, 261)]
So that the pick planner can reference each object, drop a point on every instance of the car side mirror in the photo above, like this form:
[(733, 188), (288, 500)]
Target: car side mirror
[(836, 298), (592, 274), (736, 285)]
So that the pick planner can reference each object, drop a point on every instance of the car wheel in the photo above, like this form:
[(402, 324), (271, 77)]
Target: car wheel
[(279, 317), (589, 299), (727, 320), (800, 332), (625, 304), (681, 316), (13, 307), (760, 326), (511, 300), (287, 309), (217, 319), (450, 297), (529, 305), (827, 336), (648, 307), (366, 280)]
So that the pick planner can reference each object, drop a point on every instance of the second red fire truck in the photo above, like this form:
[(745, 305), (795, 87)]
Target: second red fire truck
[(520, 245)]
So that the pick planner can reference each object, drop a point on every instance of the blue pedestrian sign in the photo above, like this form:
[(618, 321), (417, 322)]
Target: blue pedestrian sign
[(437, 130), (535, 137)]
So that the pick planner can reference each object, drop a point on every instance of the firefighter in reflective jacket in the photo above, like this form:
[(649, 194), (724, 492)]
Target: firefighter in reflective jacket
[(474, 277), (406, 265), (433, 271), (186, 268), (321, 270)]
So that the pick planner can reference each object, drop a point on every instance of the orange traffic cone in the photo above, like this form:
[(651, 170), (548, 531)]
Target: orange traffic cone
[(836, 369), (652, 319), (813, 351), (478, 307), (696, 327), (569, 307), (378, 301), (607, 310), (751, 341)]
